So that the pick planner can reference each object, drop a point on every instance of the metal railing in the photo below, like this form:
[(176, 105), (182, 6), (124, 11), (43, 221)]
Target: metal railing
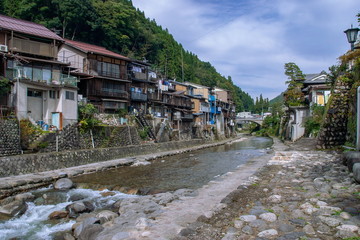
[(56, 78), (142, 97), (108, 93)]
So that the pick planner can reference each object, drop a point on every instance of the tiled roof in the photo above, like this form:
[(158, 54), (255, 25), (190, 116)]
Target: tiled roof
[(318, 78), (90, 48), (22, 26)]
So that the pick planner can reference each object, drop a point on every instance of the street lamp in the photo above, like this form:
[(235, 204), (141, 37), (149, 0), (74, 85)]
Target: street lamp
[(351, 35)]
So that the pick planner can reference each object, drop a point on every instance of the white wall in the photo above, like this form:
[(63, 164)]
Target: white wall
[(70, 55)]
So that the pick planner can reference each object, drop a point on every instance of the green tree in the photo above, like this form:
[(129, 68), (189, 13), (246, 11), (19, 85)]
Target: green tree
[(293, 95), (86, 116), (4, 86)]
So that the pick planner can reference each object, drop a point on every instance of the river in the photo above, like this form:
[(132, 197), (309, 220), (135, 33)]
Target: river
[(190, 170)]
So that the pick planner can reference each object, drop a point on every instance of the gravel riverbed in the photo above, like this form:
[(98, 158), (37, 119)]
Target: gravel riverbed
[(300, 194)]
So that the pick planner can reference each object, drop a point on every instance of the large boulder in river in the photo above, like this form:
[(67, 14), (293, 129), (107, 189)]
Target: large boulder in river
[(79, 207), (58, 215), (12, 209), (106, 216), (63, 184), (89, 225), (28, 197)]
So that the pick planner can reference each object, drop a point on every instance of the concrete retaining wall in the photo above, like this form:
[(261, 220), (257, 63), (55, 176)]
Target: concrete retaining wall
[(32, 163)]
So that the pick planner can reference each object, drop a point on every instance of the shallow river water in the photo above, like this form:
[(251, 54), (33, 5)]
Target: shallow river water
[(189, 170)]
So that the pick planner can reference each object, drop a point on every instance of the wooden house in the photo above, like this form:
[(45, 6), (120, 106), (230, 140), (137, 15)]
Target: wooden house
[(40, 91), (103, 75)]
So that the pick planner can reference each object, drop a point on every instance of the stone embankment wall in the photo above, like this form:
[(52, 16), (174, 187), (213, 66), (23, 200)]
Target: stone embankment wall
[(9, 137), (334, 129), (32, 163), (70, 138)]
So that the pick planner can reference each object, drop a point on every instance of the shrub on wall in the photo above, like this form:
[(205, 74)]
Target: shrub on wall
[(313, 123)]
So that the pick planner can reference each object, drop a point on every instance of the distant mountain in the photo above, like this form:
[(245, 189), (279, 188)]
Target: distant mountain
[(120, 27), (278, 99)]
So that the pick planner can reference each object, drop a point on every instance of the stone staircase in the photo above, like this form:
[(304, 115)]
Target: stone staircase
[(141, 120)]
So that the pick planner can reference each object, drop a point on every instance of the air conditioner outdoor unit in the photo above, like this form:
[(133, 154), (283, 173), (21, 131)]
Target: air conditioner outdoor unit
[(3, 48)]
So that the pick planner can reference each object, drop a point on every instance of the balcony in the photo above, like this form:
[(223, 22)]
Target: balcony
[(155, 96), (139, 97), (139, 76), (187, 116), (104, 92), (41, 76), (34, 47)]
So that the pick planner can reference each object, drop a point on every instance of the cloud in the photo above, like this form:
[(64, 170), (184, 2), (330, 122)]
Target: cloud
[(252, 40)]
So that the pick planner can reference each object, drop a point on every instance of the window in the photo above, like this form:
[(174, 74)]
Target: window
[(69, 95), (34, 93), (46, 75), (108, 69), (53, 94)]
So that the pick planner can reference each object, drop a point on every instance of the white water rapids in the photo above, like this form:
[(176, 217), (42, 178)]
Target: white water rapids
[(34, 223)]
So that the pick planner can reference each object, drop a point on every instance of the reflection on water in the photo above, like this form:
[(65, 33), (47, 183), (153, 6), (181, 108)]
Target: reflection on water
[(190, 170)]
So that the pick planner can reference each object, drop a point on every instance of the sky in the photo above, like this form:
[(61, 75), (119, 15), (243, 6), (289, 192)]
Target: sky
[(251, 40)]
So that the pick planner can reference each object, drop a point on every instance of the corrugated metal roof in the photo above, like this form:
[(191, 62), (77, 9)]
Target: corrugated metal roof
[(22, 26), (90, 48)]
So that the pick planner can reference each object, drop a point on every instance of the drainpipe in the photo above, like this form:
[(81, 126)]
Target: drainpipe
[(358, 120)]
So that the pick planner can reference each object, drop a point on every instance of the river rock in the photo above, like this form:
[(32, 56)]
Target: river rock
[(106, 216), (107, 194), (164, 198), (140, 207), (248, 218), (332, 222), (51, 198), (274, 199), (12, 209), (238, 224), (268, 233), (58, 215), (90, 232), (79, 207), (309, 230), (81, 226), (269, 217), (63, 184), (185, 193), (345, 227), (25, 197)]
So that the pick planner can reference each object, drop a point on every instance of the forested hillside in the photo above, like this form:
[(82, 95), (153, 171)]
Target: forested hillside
[(118, 26)]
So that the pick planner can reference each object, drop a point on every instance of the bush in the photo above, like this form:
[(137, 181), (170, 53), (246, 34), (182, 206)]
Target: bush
[(143, 133), (86, 117), (28, 132), (313, 123)]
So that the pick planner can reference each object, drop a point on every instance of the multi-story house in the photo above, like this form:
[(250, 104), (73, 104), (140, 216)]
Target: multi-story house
[(40, 91), (225, 110), (178, 104), (140, 84), (103, 75), (317, 88), (200, 98)]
